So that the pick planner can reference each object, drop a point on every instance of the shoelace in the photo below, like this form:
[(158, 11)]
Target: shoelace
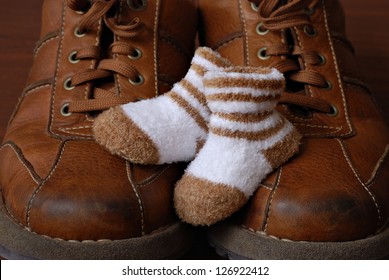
[(101, 99), (276, 15)]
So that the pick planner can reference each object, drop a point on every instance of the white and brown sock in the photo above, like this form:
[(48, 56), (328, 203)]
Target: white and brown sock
[(247, 139), (165, 129)]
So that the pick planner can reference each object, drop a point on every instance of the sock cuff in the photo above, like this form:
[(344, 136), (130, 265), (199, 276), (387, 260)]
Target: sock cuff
[(210, 60)]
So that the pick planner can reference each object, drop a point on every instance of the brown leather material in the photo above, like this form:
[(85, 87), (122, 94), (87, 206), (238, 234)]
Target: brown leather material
[(336, 188), (55, 179)]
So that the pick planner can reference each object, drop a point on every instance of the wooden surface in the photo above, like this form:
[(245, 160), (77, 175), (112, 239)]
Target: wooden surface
[(367, 27)]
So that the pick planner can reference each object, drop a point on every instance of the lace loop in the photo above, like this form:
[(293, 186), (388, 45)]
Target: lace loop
[(94, 14), (278, 15), (101, 99)]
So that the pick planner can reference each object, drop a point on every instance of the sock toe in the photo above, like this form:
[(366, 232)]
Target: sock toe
[(121, 136), (202, 202)]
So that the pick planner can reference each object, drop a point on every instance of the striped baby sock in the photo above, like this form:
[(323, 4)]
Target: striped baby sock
[(247, 139), (169, 128)]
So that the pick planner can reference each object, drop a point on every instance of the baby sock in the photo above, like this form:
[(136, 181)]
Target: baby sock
[(247, 139), (169, 128)]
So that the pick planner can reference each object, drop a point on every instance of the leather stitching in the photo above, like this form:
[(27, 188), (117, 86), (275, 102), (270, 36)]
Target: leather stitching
[(29, 91), (378, 166), (345, 105), (246, 41), (268, 208), (156, 18), (41, 185), (33, 175), (43, 43), (59, 55), (138, 196), (49, 37), (358, 176), (153, 177), (70, 130), (217, 47), (117, 79)]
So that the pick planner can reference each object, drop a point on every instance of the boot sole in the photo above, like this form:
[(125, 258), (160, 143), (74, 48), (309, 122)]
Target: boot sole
[(17, 242), (235, 242)]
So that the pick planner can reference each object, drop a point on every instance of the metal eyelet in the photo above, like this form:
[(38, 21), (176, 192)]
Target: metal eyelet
[(334, 111), (136, 54), (262, 54), (65, 110), (73, 57), (254, 7), (139, 80), (260, 30), (78, 34), (310, 31), (328, 85), (137, 5), (309, 11), (322, 59), (68, 84)]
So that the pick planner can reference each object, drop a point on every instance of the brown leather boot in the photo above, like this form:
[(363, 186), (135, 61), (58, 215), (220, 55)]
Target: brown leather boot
[(63, 195), (332, 200)]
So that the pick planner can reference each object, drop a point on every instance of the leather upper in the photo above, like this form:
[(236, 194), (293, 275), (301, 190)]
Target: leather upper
[(55, 180), (336, 188)]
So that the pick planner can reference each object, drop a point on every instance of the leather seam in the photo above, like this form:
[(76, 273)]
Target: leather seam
[(266, 187), (41, 185), (164, 36), (21, 161), (68, 130), (29, 91), (59, 56), (268, 207), (155, 30), (358, 176), (346, 113), (116, 75), (152, 179), (140, 202), (44, 41), (228, 42), (246, 41), (378, 165)]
